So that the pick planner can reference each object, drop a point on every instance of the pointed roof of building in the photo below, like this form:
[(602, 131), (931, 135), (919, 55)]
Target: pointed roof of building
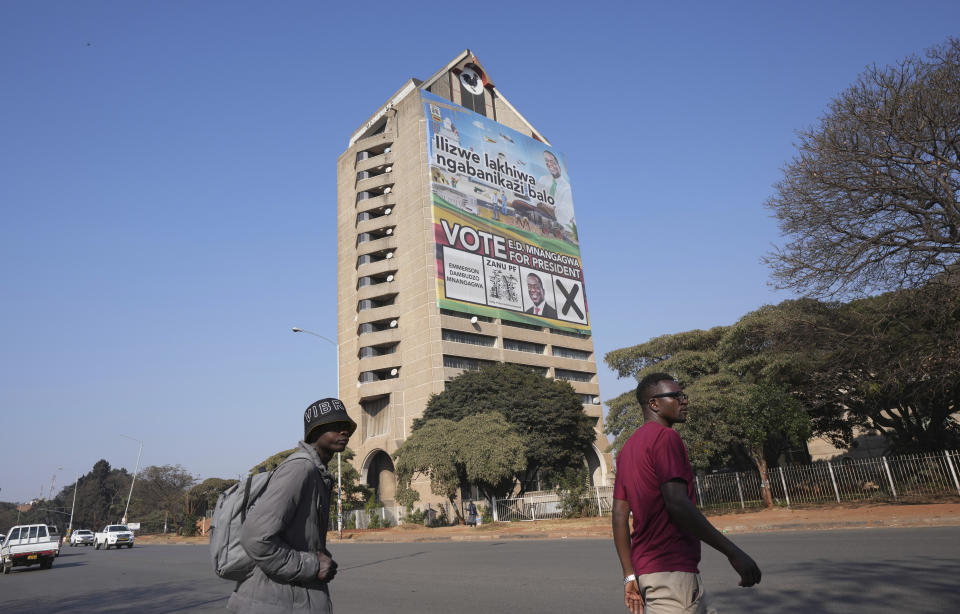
[(465, 58)]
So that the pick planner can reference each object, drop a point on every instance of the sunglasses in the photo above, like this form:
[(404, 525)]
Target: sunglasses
[(680, 396)]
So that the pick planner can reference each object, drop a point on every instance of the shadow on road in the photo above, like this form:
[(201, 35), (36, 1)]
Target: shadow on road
[(156, 599), (377, 562), (869, 586)]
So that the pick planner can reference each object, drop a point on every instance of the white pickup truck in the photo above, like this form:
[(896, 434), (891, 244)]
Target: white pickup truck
[(28, 544), (113, 535)]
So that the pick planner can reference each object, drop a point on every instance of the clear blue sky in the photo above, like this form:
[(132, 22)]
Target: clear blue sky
[(168, 189)]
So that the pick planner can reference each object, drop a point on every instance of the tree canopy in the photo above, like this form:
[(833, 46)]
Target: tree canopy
[(888, 364), (204, 495), (546, 413), (871, 201), (480, 449), (725, 421), (355, 492)]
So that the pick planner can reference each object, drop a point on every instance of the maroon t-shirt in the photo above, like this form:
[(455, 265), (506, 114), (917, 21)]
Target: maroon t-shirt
[(652, 456)]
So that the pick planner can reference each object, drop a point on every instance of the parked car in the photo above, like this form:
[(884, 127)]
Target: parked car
[(26, 545), (113, 535), (81, 537)]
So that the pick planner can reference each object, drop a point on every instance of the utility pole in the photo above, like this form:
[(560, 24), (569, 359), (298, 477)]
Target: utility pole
[(74, 504), (134, 480)]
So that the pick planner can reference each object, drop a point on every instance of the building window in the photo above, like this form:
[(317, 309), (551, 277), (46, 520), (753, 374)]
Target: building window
[(461, 337), (373, 303), (538, 370), (587, 399), (378, 350), (520, 325), (376, 414), (569, 353), (467, 364), (379, 375), (460, 314), (379, 325), (568, 333), (523, 346), (573, 376)]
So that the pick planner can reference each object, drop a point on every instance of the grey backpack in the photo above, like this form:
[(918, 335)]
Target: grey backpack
[(230, 560)]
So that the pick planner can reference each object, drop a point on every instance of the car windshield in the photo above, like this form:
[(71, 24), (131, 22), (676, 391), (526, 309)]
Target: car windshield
[(116, 527), (82, 532)]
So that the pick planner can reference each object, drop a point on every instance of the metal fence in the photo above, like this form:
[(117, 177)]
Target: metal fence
[(919, 477), (886, 479), (380, 517), (548, 504)]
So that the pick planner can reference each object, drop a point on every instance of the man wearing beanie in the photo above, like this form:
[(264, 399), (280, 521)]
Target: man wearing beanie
[(285, 532)]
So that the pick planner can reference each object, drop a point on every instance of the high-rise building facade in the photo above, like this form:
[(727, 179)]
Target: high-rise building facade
[(457, 247)]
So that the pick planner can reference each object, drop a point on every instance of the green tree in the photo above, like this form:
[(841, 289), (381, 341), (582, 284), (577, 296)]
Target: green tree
[(482, 449), (355, 492), (204, 495), (739, 406), (161, 491), (270, 463), (871, 201), (547, 413), (889, 364)]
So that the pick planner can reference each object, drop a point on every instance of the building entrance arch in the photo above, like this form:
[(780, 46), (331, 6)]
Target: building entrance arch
[(379, 474), (596, 468)]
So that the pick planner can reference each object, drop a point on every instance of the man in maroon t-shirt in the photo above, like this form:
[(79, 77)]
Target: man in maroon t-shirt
[(655, 483)]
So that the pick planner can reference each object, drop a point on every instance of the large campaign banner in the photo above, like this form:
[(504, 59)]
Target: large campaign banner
[(503, 219)]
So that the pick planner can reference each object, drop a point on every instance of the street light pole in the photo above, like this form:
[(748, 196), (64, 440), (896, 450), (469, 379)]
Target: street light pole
[(339, 472), (73, 505), (134, 480)]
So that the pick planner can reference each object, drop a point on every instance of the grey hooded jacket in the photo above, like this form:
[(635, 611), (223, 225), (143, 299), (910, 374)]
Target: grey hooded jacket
[(283, 532)]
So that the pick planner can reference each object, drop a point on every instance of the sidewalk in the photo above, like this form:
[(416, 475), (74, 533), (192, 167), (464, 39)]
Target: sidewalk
[(870, 516), (777, 519)]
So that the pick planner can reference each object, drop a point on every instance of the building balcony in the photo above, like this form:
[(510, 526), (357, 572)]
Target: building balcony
[(375, 202), (376, 224), (380, 363), (376, 141), (571, 364), (375, 183), (377, 245), (594, 411), (378, 313), (379, 337), (469, 350), (379, 267), (377, 290), (375, 162), (372, 390)]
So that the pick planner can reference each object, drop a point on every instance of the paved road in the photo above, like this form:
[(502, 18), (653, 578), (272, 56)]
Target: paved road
[(833, 572)]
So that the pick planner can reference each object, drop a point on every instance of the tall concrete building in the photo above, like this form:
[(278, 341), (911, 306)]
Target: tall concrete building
[(457, 247)]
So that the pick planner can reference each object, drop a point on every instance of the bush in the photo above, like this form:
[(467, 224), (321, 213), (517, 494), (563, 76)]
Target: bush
[(189, 525), (415, 516), (574, 492)]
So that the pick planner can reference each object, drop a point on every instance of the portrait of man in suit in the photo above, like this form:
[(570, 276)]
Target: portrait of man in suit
[(538, 297)]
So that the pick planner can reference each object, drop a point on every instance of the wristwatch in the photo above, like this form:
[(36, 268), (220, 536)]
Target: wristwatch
[(629, 579)]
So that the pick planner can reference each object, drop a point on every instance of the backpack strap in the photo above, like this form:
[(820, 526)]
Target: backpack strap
[(299, 454), (246, 499)]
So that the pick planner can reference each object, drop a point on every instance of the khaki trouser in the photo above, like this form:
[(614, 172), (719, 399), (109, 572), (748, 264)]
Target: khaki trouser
[(674, 592)]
